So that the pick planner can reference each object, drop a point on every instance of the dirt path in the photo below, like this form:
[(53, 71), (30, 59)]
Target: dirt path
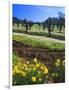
[(41, 37)]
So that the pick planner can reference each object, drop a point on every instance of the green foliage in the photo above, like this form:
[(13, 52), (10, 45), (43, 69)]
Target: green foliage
[(58, 71), (39, 42)]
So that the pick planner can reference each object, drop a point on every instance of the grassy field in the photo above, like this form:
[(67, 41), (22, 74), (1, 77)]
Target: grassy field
[(36, 30), (39, 42)]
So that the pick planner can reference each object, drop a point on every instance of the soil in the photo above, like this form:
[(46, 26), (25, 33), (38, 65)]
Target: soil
[(44, 55)]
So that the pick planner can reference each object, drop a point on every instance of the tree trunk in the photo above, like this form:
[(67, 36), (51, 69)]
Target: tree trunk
[(26, 28), (60, 28)]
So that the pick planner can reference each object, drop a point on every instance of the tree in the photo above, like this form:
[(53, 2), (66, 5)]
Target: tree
[(54, 22), (61, 20), (49, 26), (30, 24)]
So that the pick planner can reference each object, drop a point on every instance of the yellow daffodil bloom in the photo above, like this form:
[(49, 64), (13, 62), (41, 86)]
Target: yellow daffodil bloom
[(57, 64), (23, 73), (27, 62), (37, 65), (58, 60), (41, 67), (63, 63), (26, 69), (45, 71), (34, 79), (53, 74), (35, 59), (18, 71), (15, 68), (34, 69)]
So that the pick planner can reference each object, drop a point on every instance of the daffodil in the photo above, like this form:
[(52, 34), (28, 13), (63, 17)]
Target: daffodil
[(37, 65), (18, 71), (26, 68), (22, 67), (57, 64), (63, 63), (41, 67), (27, 62), (23, 73), (25, 65), (13, 72), (35, 59), (34, 79), (53, 74), (58, 60), (19, 64), (34, 69), (42, 64), (45, 71), (15, 68)]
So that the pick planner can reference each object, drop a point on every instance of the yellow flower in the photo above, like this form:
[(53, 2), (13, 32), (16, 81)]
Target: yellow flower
[(18, 71), (27, 62), (13, 72), (26, 68), (37, 65), (63, 63), (41, 67), (45, 71), (24, 65), (23, 73), (15, 68), (57, 64), (19, 64), (58, 60), (35, 59), (53, 74), (42, 64), (34, 79), (34, 69)]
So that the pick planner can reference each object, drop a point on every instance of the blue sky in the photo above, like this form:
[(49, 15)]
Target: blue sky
[(35, 13)]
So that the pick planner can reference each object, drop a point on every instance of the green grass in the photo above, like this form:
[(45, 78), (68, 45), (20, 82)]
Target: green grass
[(38, 42), (16, 58), (36, 30)]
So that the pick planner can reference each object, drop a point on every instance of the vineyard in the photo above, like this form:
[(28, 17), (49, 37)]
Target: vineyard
[(38, 51)]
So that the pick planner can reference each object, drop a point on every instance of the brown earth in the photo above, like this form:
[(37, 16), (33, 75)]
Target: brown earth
[(46, 56)]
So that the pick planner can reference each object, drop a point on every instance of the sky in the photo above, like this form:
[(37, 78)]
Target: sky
[(35, 13)]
